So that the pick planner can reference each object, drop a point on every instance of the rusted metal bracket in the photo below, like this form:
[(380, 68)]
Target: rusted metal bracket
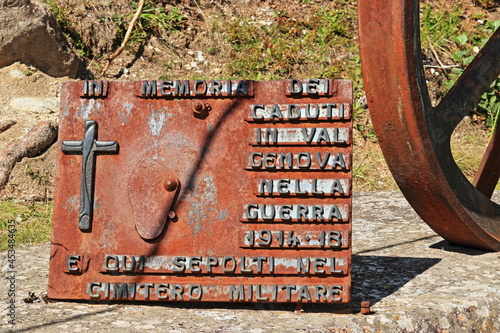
[(152, 205)]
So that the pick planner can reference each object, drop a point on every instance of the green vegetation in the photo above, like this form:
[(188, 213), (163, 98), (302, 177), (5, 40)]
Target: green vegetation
[(487, 3), (30, 71), (322, 45), (270, 52), (32, 222), (453, 43), (458, 44), (489, 105), (36, 175), (154, 20), (438, 24), (317, 41), (63, 18)]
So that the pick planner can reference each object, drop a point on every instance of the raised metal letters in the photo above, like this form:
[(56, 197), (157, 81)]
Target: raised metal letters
[(302, 136), (94, 89)]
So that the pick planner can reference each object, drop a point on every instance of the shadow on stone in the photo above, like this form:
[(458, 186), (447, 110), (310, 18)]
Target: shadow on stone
[(373, 279), (394, 245), (60, 321), (447, 246), (376, 277)]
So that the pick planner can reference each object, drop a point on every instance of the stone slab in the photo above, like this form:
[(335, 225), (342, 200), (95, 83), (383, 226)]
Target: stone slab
[(416, 282)]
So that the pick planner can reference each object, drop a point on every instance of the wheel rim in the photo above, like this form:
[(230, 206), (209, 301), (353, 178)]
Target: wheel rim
[(415, 137)]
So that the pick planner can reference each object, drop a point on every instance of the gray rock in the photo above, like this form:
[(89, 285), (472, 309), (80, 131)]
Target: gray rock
[(35, 104), (31, 35)]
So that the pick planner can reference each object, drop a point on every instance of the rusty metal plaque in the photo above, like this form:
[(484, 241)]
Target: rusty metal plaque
[(227, 191)]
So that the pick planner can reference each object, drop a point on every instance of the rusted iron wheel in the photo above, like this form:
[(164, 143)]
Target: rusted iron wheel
[(415, 136)]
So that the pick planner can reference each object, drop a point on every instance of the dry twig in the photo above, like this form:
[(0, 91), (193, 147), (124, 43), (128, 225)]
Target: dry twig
[(435, 53), (125, 40)]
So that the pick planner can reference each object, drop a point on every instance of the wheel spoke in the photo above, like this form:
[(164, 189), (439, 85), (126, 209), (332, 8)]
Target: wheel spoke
[(474, 81), (414, 136), (488, 172)]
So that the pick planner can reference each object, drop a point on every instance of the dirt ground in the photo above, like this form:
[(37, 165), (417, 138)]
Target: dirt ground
[(28, 97)]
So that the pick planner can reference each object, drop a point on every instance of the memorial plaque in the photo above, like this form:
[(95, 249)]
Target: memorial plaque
[(231, 191)]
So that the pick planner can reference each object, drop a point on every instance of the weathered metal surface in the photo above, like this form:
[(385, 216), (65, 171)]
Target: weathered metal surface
[(232, 191), (414, 136), (488, 173)]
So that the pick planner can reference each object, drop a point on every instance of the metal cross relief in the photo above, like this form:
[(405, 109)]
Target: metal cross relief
[(88, 147)]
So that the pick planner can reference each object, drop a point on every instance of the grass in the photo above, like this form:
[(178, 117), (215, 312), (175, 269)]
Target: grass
[(62, 16), (468, 46), (468, 146), (322, 44), (487, 3), (438, 24), (154, 20), (32, 222), (370, 172), (317, 41), (314, 45), (456, 42)]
